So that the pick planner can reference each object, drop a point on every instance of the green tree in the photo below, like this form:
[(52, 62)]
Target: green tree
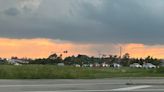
[(125, 61)]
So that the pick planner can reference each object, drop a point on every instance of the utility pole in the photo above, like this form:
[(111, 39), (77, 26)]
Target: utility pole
[(120, 52), (119, 59)]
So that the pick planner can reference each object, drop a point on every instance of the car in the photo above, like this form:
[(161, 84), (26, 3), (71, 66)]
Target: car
[(148, 65), (116, 65), (77, 65), (135, 65), (60, 64)]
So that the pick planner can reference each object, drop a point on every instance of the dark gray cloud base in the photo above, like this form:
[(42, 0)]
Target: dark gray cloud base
[(12, 12), (112, 21)]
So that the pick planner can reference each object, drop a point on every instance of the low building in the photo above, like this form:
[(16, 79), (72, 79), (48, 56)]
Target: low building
[(20, 61)]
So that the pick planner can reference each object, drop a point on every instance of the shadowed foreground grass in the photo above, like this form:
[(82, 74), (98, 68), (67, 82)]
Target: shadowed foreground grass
[(67, 72)]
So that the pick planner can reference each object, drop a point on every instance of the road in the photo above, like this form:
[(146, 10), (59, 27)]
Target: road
[(89, 85)]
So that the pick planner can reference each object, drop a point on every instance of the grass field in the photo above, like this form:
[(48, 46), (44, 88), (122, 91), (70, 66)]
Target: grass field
[(67, 72)]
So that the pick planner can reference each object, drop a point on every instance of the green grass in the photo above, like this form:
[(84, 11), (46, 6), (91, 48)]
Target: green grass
[(68, 72)]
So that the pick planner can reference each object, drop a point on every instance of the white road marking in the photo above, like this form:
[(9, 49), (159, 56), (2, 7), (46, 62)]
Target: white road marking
[(150, 90), (131, 88), (74, 91), (141, 90)]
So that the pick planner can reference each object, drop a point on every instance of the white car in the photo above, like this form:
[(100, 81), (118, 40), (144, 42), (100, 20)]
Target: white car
[(116, 65), (77, 65), (148, 65), (135, 65)]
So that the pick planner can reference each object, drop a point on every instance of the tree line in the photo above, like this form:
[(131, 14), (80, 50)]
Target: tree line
[(125, 60)]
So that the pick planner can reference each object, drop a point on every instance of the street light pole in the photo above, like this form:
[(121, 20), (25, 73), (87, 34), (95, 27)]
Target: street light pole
[(120, 52)]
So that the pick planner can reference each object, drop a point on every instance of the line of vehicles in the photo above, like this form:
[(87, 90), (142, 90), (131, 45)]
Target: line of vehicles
[(116, 65), (145, 65)]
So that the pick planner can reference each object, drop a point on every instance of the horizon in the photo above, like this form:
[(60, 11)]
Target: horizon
[(63, 56)]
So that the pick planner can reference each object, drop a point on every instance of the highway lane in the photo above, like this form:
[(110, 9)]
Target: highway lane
[(88, 85)]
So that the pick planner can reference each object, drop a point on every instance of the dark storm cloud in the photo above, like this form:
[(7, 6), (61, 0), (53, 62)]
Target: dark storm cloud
[(12, 12), (129, 21), (110, 21)]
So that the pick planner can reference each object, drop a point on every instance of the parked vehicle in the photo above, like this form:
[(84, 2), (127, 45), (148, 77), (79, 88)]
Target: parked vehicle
[(148, 65), (90, 65), (17, 64), (116, 65), (135, 65), (60, 64), (77, 65), (85, 65), (105, 65), (96, 65)]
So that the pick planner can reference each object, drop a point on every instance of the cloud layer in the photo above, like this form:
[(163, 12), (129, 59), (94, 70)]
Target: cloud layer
[(88, 21)]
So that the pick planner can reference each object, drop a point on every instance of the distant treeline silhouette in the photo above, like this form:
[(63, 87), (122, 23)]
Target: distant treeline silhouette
[(125, 60)]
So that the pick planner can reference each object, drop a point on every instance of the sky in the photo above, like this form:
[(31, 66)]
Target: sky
[(38, 28)]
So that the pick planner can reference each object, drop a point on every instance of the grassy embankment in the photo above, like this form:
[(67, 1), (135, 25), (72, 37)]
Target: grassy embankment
[(67, 72)]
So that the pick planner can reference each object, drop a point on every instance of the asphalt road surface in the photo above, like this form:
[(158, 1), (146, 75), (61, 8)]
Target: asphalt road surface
[(89, 85)]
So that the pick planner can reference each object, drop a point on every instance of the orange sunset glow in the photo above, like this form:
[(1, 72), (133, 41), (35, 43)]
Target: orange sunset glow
[(38, 48), (41, 48), (141, 50)]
